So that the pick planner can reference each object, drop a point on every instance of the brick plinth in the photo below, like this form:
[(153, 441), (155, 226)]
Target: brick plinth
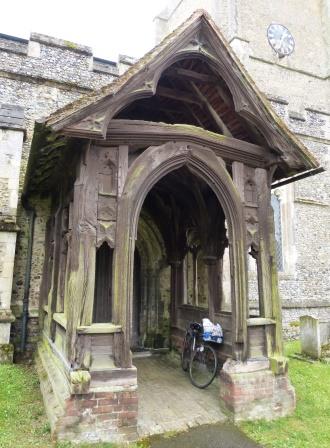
[(99, 417), (251, 391), (106, 413)]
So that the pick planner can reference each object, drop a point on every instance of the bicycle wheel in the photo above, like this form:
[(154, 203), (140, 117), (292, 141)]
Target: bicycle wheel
[(186, 353), (203, 366)]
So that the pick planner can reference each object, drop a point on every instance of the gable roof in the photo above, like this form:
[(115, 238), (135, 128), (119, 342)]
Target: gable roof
[(198, 35)]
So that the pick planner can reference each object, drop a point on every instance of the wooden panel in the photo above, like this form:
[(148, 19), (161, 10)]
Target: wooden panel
[(102, 344), (256, 342)]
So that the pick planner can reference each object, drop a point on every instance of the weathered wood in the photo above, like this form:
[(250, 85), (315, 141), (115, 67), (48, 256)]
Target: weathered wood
[(178, 95), (149, 133), (267, 270), (52, 297), (238, 177), (122, 167), (221, 125), (192, 75), (140, 178), (80, 287)]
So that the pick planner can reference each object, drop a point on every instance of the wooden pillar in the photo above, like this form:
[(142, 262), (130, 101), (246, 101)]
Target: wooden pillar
[(213, 285), (176, 288), (81, 279), (52, 296), (267, 269), (239, 350)]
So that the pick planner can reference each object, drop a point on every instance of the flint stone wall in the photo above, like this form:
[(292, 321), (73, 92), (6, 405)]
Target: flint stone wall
[(37, 77)]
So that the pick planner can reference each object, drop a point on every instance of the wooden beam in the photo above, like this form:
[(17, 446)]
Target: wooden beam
[(178, 95), (192, 75), (149, 133), (224, 96), (221, 125)]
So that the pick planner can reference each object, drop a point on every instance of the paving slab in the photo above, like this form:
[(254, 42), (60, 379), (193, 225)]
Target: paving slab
[(169, 402)]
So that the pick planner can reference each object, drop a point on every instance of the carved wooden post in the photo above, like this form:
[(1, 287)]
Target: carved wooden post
[(80, 289), (176, 288), (238, 178), (268, 281), (52, 296), (213, 285)]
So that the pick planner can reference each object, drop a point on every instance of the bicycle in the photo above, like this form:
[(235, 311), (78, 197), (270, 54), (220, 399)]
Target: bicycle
[(197, 356)]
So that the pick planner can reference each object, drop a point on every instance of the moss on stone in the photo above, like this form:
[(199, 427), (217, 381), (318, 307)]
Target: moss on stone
[(70, 44), (294, 323)]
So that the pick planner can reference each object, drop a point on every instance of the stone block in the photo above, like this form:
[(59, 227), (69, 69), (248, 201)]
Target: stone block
[(80, 381), (6, 353), (310, 336), (279, 364)]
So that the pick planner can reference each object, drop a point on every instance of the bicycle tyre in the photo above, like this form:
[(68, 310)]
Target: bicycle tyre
[(203, 366), (186, 353)]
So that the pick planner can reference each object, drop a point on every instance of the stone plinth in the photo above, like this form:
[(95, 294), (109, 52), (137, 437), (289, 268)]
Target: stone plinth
[(251, 390), (6, 349)]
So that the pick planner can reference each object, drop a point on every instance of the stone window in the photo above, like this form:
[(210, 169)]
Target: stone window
[(276, 204)]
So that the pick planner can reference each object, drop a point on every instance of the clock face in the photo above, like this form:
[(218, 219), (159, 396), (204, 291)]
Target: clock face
[(280, 39)]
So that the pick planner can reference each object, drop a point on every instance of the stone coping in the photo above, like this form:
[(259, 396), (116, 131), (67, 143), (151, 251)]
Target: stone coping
[(312, 303)]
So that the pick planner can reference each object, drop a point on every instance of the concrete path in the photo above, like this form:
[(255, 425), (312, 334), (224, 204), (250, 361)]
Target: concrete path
[(169, 402), (210, 436)]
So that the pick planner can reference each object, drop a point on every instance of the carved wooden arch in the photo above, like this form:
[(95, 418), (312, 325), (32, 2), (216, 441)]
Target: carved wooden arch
[(153, 164), (242, 97)]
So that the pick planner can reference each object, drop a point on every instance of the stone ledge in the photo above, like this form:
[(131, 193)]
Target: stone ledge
[(6, 316), (305, 303), (12, 117), (13, 44), (61, 43), (8, 226)]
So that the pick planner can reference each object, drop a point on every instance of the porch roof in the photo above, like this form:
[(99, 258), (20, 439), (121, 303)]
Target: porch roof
[(90, 116)]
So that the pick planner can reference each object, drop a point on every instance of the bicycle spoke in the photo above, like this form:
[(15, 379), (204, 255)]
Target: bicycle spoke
[(203, 366)]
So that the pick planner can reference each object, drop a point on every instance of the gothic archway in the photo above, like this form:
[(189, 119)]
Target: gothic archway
[(153, 164)]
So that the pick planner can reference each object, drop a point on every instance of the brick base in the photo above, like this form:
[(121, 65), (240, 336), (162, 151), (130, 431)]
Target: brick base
[(99, 417), (251, 391), (108, 415)]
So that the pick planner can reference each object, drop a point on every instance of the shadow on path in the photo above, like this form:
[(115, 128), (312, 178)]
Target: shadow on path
[(207, 436)]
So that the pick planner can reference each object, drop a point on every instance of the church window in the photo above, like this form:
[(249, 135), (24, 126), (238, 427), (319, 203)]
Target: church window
[(276, 204)]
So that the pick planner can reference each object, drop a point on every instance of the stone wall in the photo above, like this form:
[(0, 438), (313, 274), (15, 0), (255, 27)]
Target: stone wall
[(38, 76), (298, 88)]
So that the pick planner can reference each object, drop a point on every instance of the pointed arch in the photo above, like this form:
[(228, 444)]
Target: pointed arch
[(153, 164)]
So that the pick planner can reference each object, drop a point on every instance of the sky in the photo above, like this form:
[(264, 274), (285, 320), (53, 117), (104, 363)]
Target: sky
[(110, 27)]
